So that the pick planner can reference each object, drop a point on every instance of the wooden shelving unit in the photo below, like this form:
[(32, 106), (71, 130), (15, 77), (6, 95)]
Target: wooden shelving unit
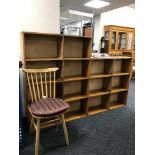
[(89, 85)]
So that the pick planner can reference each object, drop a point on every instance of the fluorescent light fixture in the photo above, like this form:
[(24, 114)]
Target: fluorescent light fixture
[(79, 13), (97, 4), (63, 18)]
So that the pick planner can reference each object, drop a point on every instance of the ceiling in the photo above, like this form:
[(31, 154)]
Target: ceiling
[(78, 5)]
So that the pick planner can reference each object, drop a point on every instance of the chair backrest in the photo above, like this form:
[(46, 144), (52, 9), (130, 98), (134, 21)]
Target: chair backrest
[(40, 82)]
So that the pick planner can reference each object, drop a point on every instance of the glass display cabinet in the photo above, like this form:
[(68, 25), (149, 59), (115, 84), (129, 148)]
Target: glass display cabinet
[(120, 39)]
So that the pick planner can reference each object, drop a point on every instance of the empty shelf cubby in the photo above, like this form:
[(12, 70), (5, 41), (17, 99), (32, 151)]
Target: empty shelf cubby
[(74, 90), (120, 83), (38, 46), (118, 99), (77, 47), (101, 67), (99, 86), (76, 68), (98, 103), (122, 66), (77, 109)]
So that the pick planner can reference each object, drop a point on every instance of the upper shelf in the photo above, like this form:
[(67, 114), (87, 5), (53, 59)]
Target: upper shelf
[(42, 59), (76, 58), (112, 57)]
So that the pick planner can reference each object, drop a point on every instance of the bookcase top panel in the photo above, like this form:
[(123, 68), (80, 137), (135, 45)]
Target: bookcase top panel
[(54, 34)]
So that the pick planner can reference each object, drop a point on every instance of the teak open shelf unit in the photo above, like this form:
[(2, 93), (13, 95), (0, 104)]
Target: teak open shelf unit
[(89, 85)]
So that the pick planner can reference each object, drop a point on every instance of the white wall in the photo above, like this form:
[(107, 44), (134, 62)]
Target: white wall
[(97, 32), (40, 15), (124, 16)]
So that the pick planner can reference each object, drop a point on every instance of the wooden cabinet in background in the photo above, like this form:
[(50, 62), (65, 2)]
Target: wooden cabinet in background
[(120, 39)]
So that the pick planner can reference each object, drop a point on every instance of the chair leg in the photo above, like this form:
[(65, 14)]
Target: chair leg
[(65, 129), (37, 137), (31, 125)]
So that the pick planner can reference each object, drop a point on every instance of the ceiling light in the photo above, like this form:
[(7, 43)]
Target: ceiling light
[(79, 13), (97, 4), (63, 18)]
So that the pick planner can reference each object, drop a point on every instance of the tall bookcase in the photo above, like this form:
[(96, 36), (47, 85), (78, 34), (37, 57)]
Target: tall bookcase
[(89, 85)]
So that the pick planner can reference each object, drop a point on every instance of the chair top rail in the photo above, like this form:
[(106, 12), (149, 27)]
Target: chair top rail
[(40, 70)]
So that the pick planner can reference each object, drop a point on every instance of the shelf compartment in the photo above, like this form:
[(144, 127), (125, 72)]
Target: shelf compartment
[(75, 68), (42, 46), (77, 109), (98, 104), (122, 66), (46, 64), (77, 47), (120, 83), (99, 86), (74, 90), (118, 100), (101, 67)]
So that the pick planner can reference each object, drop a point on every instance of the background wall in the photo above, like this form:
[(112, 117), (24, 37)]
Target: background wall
[(124, 16), (40, 15), (97, 32)]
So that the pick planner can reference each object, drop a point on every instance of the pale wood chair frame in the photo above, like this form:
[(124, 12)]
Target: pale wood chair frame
[(36, 95)]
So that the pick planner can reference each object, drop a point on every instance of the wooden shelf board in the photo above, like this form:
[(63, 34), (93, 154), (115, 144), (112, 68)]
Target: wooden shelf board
[(76, 58), (100, 76), (120, 74), (98, 92), (73, 97), (116, 105), (75, 116), (112, 57), (116, 90), (40, 33), (95, 111), (75, 36), (75, 78), (42, 59)]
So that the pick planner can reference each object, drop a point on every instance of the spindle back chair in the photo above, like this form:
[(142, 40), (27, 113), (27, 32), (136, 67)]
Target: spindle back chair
[(42, 88)]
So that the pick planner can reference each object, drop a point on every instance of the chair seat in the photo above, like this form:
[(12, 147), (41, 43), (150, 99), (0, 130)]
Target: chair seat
[(48, 106)]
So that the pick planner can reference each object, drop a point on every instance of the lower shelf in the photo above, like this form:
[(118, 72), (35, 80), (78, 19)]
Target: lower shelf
[(95, 110), (116, 105), (74, 115)]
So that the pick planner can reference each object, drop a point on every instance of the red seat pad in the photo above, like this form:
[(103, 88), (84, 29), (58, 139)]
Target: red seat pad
[(48, 106)]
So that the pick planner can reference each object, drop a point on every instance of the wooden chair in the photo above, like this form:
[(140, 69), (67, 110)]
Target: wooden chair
[(43, 105)]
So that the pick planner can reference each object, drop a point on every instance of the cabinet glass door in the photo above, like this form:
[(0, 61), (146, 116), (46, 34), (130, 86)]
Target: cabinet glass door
[(129, 40), (113, 43), (106, 35), (122, 40)]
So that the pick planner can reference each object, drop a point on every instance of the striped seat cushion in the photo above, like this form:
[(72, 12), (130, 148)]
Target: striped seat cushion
[(48, 106)]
